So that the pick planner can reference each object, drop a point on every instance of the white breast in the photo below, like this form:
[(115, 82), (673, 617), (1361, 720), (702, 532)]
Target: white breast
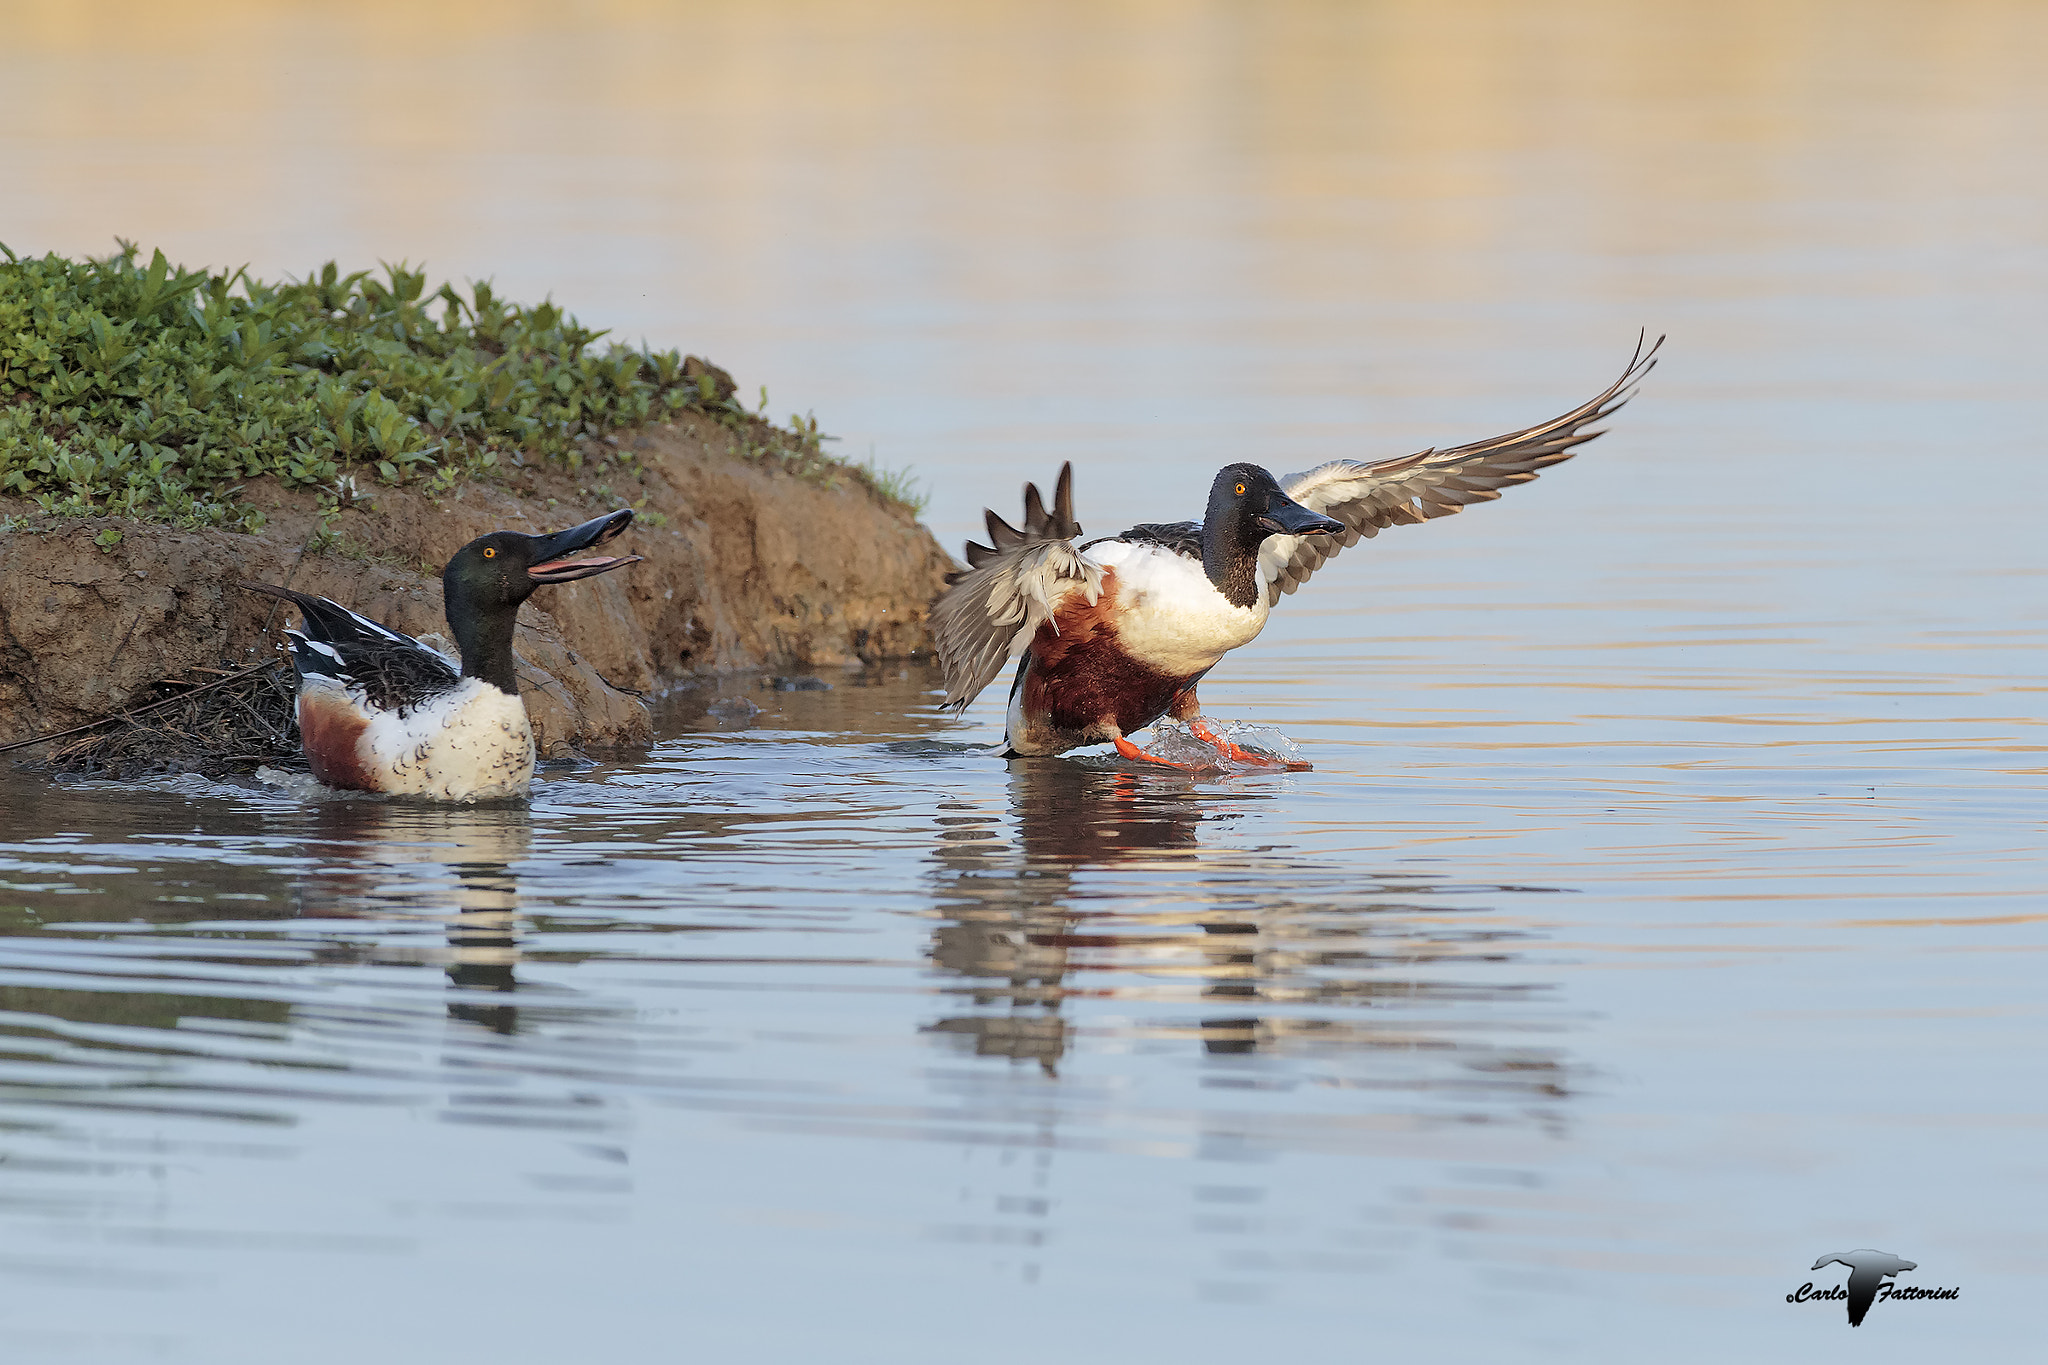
[(472, 742), (1168, 614)]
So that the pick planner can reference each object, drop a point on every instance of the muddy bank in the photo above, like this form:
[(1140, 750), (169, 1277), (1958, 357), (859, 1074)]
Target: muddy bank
[(748, 566)]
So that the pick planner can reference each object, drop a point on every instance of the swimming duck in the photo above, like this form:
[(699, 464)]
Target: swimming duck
[(1117, 632), (381, 712)]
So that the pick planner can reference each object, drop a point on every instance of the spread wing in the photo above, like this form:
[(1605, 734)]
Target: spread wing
[(996, 605), (1432, 483)]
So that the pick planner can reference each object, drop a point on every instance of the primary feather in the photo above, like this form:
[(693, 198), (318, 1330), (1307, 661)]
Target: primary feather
[(992, 610), (387, 670), (1430, 483)]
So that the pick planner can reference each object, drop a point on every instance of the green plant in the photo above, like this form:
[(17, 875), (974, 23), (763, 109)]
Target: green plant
[(894, 485), (154, 391)]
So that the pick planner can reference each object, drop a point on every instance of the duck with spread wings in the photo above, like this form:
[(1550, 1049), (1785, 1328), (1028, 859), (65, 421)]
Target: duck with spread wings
[(1116, 633)]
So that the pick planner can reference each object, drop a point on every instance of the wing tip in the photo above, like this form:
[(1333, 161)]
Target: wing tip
[(1040, 522)]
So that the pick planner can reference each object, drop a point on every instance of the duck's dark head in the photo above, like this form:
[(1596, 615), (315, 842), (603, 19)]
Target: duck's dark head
[(488, 578), (1246, 506)]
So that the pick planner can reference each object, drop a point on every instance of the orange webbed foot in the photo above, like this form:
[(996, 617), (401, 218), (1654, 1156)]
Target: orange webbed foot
[(1200, 729), (1132, 751)]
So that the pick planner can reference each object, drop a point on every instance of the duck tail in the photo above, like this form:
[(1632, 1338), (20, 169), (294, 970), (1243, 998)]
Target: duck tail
[(991, 609)]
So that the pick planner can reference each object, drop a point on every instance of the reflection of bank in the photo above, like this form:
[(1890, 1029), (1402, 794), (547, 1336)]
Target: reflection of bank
[(406, 859), (1107, 893)]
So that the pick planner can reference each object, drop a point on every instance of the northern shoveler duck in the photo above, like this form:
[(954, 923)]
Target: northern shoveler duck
[(1117, 632), (381, 712)]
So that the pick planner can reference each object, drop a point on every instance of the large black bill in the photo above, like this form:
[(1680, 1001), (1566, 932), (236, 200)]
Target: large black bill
[(1287, 517), (551, 552)]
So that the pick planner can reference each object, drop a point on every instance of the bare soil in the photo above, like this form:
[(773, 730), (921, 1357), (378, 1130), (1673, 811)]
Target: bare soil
[(747, 566)]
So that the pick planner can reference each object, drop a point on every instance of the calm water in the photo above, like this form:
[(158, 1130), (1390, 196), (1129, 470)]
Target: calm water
[(1665, 909)]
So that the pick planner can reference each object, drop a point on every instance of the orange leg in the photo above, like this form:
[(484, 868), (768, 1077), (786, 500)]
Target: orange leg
[(1132, 751), (1240, 755), (1224, 746)]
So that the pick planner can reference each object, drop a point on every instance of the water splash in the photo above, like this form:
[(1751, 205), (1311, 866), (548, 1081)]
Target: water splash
[(1263, 747)]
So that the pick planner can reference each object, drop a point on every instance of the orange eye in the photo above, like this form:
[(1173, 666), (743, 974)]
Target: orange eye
[(493, 554), (1240, 490)]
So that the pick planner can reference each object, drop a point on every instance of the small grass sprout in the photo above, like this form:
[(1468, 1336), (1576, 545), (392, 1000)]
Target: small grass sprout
[(894, 485)]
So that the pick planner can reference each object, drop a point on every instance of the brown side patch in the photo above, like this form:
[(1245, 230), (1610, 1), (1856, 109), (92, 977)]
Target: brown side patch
[(1186, 705), (1081, 676), (332, 731)]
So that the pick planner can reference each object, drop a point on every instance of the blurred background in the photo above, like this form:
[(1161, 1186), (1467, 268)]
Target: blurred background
[(1154, 236)]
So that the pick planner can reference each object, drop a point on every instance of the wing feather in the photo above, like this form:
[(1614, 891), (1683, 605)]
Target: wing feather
[(391, 670), (1431, 483), (1013, 586)]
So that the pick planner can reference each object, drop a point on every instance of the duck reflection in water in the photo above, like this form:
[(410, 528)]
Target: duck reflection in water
[(407, 859), (1099, 883), (1013, 921), (1009, 924)]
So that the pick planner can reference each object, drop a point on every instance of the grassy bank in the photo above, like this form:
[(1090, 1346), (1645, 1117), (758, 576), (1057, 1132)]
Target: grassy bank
[(156, 392)]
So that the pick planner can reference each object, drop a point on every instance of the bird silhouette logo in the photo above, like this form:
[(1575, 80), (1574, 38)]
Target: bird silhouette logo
[(1867, 1270)]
